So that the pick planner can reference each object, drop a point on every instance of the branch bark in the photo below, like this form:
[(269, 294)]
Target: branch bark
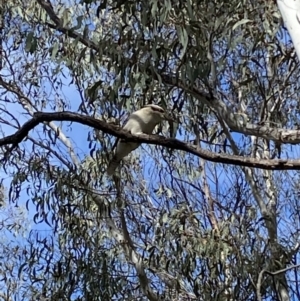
[(175, 144)]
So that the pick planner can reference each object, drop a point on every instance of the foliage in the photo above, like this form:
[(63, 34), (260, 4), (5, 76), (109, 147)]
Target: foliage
[(170, 226)]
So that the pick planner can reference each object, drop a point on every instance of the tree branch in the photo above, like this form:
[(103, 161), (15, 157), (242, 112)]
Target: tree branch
[(175, 144), (264, 271), (58, 26), (132, 255)]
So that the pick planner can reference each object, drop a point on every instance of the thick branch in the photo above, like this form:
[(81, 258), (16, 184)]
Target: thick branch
[(41, 117), (233, 119)]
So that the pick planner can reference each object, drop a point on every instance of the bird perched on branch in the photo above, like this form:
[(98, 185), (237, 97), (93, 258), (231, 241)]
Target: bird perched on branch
[(142, 121)]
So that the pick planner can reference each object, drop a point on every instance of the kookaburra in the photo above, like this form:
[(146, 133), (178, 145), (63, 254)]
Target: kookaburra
[(142, 121)]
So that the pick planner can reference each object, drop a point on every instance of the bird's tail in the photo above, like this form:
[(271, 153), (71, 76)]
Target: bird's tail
[(112, 165)]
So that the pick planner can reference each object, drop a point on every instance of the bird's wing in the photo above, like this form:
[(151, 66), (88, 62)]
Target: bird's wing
[(124, 122)]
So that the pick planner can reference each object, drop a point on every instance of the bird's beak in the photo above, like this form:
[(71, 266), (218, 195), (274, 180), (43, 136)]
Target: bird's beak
[(169, 117)]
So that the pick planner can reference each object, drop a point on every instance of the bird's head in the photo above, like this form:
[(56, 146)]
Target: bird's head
[(158, 112)]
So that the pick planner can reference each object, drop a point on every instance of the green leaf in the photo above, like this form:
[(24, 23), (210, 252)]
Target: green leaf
[(183, 38), (54, 50), (239, 23), (79, 23), (31, 43)]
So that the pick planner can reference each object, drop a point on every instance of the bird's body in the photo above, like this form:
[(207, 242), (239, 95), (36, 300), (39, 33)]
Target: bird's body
[(142, 121)]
